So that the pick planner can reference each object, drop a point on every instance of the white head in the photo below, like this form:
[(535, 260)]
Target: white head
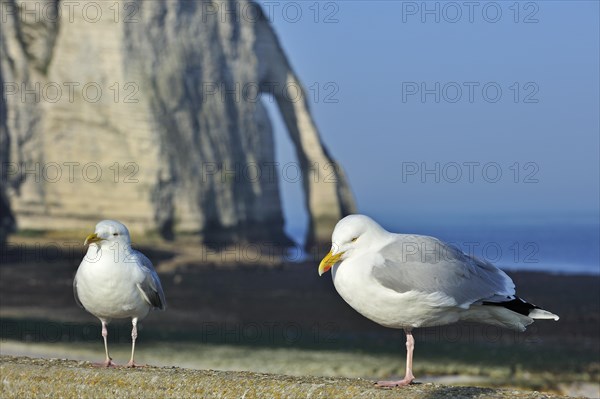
[(351, 233), (109, 232)]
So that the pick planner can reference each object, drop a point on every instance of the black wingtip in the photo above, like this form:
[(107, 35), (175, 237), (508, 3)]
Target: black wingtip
[(517, 305)]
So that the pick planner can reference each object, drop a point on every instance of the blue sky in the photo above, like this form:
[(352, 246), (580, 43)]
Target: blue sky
[(540, 131)]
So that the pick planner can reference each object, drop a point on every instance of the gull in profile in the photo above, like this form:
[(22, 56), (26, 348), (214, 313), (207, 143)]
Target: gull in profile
[(114, 281), (410, 281)]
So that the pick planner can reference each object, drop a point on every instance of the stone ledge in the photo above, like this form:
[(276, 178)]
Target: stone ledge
[(23, 377)]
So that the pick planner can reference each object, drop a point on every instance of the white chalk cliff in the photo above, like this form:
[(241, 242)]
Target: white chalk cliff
[(160, 98)]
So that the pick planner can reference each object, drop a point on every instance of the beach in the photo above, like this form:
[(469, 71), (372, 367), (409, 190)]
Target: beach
[(284, 319)]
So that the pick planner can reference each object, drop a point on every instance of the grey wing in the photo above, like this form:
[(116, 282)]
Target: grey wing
[(150, 287), (428, 265), (76, 294)]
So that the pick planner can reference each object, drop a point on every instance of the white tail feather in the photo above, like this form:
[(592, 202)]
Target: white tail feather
[(542, 314)]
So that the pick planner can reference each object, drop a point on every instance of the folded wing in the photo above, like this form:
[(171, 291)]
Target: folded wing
[(426, 264), (150, 287)]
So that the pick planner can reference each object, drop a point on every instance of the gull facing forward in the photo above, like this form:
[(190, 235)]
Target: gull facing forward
[(409, 281), (114, 281)]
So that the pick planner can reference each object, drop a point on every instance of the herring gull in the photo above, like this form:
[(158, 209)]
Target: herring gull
[(114, 281), (410, 281)]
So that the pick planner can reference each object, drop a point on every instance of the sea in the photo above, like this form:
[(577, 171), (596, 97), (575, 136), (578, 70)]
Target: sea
[(558, 245)]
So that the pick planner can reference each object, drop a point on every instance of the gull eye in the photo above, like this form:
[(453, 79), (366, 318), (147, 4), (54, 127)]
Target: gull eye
[(115, 234), (354, 239)]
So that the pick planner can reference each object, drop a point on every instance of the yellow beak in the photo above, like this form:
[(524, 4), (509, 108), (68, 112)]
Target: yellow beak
[(328, 261), (92, 238)]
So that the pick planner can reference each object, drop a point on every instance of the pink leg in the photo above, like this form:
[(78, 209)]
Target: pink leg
[(408, 377), (108, 362), (133, 338)]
